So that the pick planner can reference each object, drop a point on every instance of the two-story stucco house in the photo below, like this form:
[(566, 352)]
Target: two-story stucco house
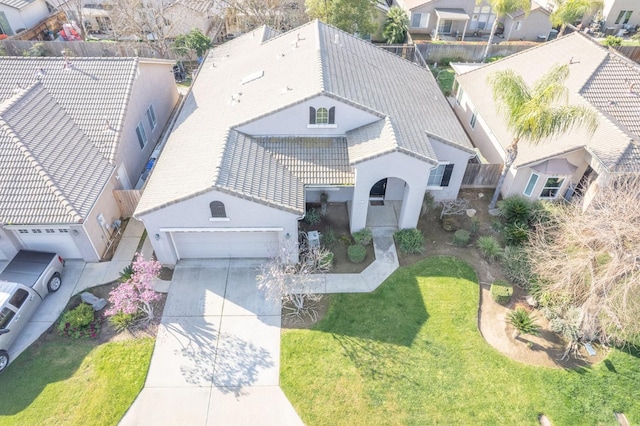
[(71, 132), (571, 163), (275, 120), (18, 15)]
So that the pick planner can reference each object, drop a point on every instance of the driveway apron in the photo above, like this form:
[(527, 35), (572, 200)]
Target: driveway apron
[(217, 355)]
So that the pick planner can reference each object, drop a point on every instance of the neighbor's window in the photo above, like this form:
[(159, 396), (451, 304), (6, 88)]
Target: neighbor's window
[(419, 20), (551, 187), (460, 94), (474, 118), (533, 179), (151, 116), (322, 115), (217, 209), (142, 135), (624, 16), (518, 25), (441, 175)]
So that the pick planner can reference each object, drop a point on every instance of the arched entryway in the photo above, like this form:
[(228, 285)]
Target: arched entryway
[(386, 201)]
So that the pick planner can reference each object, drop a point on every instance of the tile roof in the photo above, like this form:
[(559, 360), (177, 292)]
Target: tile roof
[(43, 177), (92, 91), (16, 4), (597, 76), (293, 68), (200, 6), (534, 6)]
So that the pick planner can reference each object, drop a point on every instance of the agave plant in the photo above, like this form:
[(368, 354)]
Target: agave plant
[(524, 322)]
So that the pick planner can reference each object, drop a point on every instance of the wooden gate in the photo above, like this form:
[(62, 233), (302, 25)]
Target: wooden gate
[(481, 175), (127, 200)]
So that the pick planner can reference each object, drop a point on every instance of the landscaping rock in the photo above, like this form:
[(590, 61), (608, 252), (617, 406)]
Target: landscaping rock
[(97, 303), (480, 195), (471, 212), (531, 301)]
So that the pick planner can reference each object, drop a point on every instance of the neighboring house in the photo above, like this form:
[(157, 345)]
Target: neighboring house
[(570, 163), (71, 132), (467, 17), (185, 15), (619, 13), (19, 15), (273, 121), (535, 26)]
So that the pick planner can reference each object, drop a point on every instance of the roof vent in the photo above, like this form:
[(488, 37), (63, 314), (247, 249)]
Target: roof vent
[(336, 39), (281, 55), (67, 63), (39, 73), (285, 90), (253, 76)]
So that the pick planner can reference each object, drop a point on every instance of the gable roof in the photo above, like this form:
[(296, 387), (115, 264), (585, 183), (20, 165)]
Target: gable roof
[(16, 4), (260, 73), (44, 178), (599, 78), (92, 91), (534, 7)]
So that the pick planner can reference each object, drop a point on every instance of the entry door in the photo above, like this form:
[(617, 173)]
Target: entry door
[(445, 27), (378, 189)]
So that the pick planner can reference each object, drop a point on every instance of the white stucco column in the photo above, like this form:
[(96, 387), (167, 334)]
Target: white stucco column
[(359, 205), (412, 203)]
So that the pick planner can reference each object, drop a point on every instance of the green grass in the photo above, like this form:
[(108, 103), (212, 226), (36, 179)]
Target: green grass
[(411, 353), (74, 382), (444, 76)]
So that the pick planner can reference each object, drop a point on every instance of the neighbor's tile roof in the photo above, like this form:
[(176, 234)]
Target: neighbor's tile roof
[(43, 177), (16, 4), (93, 91), (294, 67), (200, 6), (593, 81)]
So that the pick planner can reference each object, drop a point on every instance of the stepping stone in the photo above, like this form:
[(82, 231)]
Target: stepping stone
[(622, 419), (544, 420), (97, 303)]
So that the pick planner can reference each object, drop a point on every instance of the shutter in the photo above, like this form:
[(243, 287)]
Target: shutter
[(332, 115), (446, 177), (312, 115)]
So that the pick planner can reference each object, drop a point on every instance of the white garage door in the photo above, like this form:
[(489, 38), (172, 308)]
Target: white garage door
[(55, 240), (208, 245)]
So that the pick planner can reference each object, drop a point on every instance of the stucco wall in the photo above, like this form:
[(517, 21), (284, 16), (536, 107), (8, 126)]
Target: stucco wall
[(534, 25), (429, 8), (195, 213), (26, 17), (293, 121), (612, 9), (184, 19), (448, 153), (154, 85)]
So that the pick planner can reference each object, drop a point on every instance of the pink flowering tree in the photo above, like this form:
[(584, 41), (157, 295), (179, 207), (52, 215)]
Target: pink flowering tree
[(135, 296)]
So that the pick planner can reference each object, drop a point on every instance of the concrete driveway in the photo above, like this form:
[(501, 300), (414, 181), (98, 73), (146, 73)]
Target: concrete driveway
[(217, 355)]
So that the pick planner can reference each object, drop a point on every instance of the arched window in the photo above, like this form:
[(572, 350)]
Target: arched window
[(217, 209), (322, 115)]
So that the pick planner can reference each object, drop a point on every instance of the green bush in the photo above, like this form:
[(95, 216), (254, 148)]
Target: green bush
[(501, 291), (312, 216), (79, 317), (357, 253), (125, 274), (475, 226), (515, 209), (326, 262), (409, 241), (489, 248), (461, 237), (122, 321), (524, 321), (449, 224), (363, 237), (346, 240), (612, 41), (329, 238), (517, 267), (516, 234)]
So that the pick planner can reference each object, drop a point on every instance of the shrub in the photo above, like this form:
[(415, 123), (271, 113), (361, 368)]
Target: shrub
[(326, 262), (122, 321), (356, 253), (515, 209), (612, 41), (363, 237), (346, 240), (461, 237), (517, 267), (312, 216), (449, 224), (516, 234), (475, 226), (329, 238), (489, 248), (501, 291), (79, 317), (409, 241), (524, 321), (125, 274)]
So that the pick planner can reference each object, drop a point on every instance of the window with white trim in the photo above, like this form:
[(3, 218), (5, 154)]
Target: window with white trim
[(322, 116), (533, 179), (142, 135), (441, 175), (474, 119), (518, 25), (552, 187), (460, 94), (624, 16), (217, 209), (151, 116), (419, 20)]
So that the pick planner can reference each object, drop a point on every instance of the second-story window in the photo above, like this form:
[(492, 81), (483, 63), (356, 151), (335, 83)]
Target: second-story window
[(322, 115)]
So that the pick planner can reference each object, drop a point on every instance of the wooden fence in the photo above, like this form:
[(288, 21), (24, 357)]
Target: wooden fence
[(85, 49), (631, 52), (481, 175), (127, 200)]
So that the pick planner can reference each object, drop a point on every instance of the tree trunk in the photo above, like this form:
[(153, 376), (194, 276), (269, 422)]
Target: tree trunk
[(493, 30), (510, 157)]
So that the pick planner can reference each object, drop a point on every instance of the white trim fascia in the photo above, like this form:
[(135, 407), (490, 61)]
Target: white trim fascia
[(273, 229)]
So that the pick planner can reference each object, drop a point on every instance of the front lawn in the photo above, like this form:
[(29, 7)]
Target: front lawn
[(74, 382), (411, 353)]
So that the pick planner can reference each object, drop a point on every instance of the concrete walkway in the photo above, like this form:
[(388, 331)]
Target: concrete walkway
[(217, 355)]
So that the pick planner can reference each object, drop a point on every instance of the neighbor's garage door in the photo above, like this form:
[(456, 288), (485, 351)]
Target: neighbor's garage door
[(53, 240), (207, 245)]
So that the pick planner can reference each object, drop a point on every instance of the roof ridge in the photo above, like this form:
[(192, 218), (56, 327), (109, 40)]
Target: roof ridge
[(37, 165), (320, 57)]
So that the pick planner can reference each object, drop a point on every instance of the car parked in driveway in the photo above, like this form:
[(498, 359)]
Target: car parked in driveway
[(24, 283)]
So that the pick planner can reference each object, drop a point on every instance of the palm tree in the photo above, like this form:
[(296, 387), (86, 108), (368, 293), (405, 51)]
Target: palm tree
[(569, 11), (396, 26), (534, 113), (502, 8)]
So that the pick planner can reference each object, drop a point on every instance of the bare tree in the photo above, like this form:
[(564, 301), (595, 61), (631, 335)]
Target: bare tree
[(588, 262), (249, 14), (145, 21), (295, 283)]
